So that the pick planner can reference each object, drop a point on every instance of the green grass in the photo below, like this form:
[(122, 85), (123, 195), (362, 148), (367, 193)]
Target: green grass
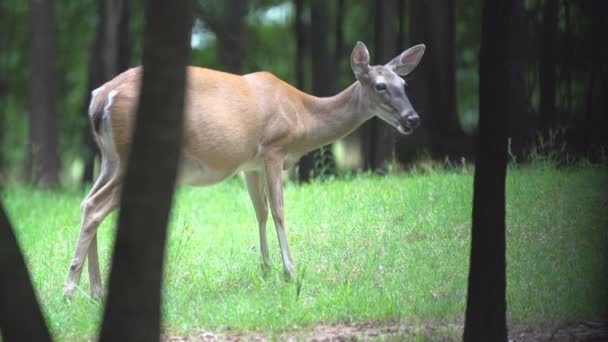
[(367, 249)]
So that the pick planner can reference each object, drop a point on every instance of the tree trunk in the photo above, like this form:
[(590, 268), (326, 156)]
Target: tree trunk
[(300, 43), (433, 88), (378, 138), (596, 118), (107, 58), (548, 64), (486, 299), (409, 148), (447, 137), (384, 135), (124, 37), (43, 162), (339, 50), (133, 305), (319, 162), (95, 78), (232, 42), (20, 316)]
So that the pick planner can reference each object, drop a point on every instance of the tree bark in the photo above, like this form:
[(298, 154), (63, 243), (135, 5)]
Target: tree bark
[(447, 137), (233, 44), (133, 305), (227, 21), (520, 128), (321, 161), (548, 64), (124, 37), (20, 315), (410, 148), (383, 136), (299, 31), (433, 88), (108, 57), (486, 299), (43, 161)]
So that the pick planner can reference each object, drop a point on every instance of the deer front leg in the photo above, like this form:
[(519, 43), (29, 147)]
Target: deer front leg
[(273, 166), (257, 193)]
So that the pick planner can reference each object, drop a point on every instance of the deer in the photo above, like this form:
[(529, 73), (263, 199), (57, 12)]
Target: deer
[(255, 123)]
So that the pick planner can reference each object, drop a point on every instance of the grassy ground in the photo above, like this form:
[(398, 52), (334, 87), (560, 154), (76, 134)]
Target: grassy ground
[(367, 248)]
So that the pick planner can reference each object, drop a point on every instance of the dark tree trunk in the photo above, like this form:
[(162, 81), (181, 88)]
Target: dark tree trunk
[(486, 299), (319, 162), (401, 35), (379, 137), (548, 64), (520, 125), (433, 88), (95, 78), (596, 118), (232, 44), (339, 50), (107, 58), (227, 21), (20, 316), (300, 43), (133, 305), (447, 137), (2, 125), (419, 89), (43, 163), (124, 37)]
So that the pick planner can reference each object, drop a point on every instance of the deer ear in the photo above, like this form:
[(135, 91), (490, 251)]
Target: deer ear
[(406, 62), (359, 59)]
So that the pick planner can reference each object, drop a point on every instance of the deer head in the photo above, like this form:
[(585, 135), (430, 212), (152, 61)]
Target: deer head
[(384, 89)]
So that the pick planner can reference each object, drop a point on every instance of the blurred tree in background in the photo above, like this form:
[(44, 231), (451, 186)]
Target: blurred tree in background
[(560, 102)]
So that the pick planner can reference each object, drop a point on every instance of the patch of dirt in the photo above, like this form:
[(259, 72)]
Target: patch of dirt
[(588, 331)]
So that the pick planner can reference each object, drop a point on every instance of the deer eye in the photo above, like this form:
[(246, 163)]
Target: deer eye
[(380, 86)]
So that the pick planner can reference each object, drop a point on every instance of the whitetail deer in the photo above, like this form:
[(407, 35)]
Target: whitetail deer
[(254, 123)]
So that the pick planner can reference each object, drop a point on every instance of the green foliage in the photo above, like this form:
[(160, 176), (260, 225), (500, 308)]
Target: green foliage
[(367, 249)]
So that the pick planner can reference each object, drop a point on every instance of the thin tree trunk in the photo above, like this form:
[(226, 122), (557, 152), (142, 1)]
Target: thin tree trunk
[(401, 35), (520, 127), (419, 89), (548, 64), (43, 136), (133, 305), (447, 137), (232, 45), (124, 37), (300, 43), (20, 315), (339, 50), (386, 48), (319, 162), (108, 57), (96, 77), (486, 298), (378, 140)]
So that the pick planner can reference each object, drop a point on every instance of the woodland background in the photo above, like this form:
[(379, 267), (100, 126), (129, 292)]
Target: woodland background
[(54, 52)]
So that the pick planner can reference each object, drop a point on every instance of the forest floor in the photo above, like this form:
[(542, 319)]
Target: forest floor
[(377, 257), (390, 331)]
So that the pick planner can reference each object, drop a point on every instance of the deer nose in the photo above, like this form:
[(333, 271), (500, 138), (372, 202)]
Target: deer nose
[(412, 118)]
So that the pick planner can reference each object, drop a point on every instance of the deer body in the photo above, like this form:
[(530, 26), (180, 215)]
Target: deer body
[(254, 123)]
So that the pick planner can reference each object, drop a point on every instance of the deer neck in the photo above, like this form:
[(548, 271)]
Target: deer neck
[(334, 117)]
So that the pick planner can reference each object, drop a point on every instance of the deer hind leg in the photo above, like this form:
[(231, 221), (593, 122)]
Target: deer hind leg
[(256, 184), (96, 206), (274, 167)]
